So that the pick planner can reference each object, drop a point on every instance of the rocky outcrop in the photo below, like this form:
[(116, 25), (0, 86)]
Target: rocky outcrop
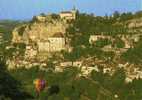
[(40, 28), (135, 23)]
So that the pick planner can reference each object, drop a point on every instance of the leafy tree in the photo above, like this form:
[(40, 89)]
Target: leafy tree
[(126, 16), (118, 79), (119, 43), (116, 14), (134, 55), (21, 30), (138, 14), (9, 86), (102, 42)]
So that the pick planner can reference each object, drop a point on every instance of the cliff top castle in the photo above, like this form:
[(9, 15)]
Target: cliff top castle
[(68, 15), (43, 27)]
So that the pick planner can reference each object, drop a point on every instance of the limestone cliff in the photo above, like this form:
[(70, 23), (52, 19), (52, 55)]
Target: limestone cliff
[(40, 28), (135, 23)]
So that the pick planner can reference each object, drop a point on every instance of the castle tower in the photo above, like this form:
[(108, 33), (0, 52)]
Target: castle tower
[(74, 11)]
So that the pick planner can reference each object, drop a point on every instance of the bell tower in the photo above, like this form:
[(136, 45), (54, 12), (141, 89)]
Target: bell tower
[(74, 11)]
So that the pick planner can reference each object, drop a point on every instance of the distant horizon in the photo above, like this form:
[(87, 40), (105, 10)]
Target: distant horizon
[(27, 19), (25, 10)]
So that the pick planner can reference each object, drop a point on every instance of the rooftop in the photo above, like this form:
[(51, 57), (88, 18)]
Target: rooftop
[(59, 34), (65, 12)]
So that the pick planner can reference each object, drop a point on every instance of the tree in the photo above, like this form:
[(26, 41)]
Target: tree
[(9, 86), (102, 42), (119, 43), (116, 14), (118, 79), (138, 14), (126, 16), (134, 55), (21, 30)]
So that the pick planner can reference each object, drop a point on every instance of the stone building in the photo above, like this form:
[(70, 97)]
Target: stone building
[(94, 38), (68, 15), (52, 44), (31, 52)]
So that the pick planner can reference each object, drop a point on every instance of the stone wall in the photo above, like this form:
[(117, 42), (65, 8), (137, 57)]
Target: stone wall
[(52, 44)]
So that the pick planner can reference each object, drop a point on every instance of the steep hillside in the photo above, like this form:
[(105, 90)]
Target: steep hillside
[(40, 27)]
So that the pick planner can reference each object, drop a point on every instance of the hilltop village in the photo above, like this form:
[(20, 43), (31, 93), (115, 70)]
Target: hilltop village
[(60, 40)]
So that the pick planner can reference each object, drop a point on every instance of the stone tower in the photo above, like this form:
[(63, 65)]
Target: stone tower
[(74, 11)]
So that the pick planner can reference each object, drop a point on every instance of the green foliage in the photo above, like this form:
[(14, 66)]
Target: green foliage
[(102, 42), (115, 84), (20, 47), (10, 88), (138, 14), (21, 30), (43, 14), (119, 43), (7, 26), (55, 16), (9, 52), (118, 79), (77, 53), (80, 40), (116, 14), (98, 85), (18, 50), (2, 97), (134, 55), (126, 16)]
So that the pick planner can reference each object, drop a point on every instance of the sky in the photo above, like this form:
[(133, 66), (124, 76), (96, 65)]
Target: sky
[(26, 9)]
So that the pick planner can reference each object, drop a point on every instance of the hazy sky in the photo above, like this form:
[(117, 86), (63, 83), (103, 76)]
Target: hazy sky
[(25, 9)]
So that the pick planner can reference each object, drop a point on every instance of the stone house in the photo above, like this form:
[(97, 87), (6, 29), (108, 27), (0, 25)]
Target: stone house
[(58, 69), (86, 70), (77, 64), (66, 64), (70, 63), (62, 66), (30, 52), (94, 38), (129, 40)]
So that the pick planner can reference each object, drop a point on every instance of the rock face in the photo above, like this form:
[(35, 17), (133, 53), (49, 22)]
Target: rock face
[(1, 37), (40, 28), (135, 23)]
